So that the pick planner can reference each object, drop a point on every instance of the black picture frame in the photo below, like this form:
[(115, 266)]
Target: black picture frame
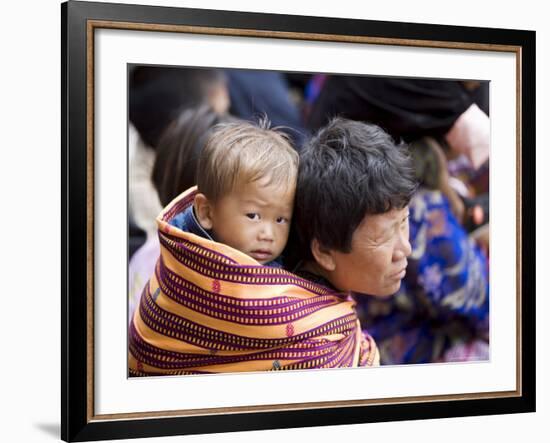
[(79, 19)]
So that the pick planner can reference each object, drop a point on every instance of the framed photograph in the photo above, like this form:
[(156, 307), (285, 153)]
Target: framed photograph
[(170, 331)]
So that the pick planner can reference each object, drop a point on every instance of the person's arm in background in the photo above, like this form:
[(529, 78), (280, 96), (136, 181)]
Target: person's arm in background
[(470, 135)]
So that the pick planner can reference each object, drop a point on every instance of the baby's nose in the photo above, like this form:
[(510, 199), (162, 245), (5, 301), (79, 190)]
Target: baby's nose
[(266, 232)]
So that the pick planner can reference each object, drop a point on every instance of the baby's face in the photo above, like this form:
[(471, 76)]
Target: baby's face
[(255, 219)]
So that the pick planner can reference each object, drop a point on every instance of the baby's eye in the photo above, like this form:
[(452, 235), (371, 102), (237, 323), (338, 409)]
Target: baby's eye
[(253, 216), (282, 220)]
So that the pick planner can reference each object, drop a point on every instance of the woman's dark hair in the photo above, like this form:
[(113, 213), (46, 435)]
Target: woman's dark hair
[(157, 94), (179, 149), (348, 170)]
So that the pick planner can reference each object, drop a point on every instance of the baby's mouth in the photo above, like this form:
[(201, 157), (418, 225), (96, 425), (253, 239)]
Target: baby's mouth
[(261, 254)]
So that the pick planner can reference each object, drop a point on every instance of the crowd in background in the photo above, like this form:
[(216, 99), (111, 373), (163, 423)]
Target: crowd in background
[(441, 312)]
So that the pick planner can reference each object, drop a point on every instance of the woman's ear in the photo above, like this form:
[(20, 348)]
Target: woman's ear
[(203, 211), (323, 256)]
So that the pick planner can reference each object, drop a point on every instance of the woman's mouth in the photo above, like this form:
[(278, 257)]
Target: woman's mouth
[(399, 275)]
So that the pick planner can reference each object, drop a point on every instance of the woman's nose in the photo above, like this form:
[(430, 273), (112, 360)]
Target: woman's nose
[(407, 248), (403, 248)]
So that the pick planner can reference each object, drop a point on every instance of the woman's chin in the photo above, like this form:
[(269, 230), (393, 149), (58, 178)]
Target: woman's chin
[(388, 290)]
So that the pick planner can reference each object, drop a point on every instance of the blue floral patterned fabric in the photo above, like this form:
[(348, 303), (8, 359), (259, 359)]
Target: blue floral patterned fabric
[(444, 298)]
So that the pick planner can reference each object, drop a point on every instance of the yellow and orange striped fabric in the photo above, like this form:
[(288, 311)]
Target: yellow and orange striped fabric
[(209, 308)]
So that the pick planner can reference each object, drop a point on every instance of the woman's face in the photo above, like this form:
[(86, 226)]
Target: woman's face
[(378, 258)]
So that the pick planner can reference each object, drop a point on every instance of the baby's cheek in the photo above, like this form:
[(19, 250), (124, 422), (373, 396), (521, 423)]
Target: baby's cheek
[(285, 229)]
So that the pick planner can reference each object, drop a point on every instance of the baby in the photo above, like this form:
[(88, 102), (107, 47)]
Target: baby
[(246, 180)]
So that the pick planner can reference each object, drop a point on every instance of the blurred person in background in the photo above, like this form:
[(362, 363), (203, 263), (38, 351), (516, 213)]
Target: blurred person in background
[(157, 95), (409, 108), (254, 93), (173, 172)]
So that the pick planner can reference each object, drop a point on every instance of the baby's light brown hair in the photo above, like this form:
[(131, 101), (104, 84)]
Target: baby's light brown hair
[(244, 152)]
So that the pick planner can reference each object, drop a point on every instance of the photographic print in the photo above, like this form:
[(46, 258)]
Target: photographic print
[(204, 308)]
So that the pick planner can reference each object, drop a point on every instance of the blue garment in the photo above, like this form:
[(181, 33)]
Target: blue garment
[(443, 299), (254, 93), (187, 222)]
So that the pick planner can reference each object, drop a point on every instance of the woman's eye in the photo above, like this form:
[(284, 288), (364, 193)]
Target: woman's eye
[(253, 216), (282, 220)]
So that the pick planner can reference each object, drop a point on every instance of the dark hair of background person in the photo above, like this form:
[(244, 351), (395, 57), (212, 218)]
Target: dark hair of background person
[(158, 94), (254, 93), (407, 108), (179, 149), (426, 164), (348, 170)]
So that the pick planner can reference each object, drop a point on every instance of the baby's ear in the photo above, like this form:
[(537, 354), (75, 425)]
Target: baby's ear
[(203, 211), (323, 256)]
